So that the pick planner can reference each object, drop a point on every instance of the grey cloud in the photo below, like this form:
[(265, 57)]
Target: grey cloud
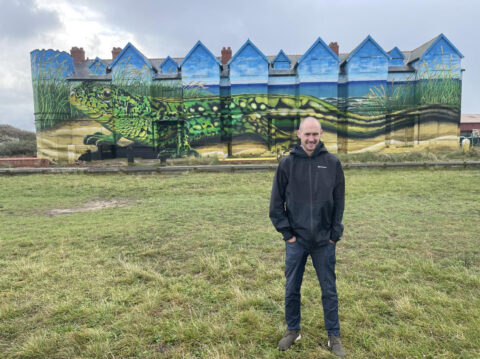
[(17, 108), (172, 28), (22, 19)]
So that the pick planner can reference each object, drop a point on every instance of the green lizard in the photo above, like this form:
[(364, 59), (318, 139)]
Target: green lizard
[(183, 122)]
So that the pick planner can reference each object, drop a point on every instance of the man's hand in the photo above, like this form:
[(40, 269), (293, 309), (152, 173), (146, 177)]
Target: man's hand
[(293, 239), (331, 241)]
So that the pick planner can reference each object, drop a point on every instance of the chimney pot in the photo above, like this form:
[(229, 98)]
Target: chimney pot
[(78, 54), (115, 52), (226, 55), (334, 47)]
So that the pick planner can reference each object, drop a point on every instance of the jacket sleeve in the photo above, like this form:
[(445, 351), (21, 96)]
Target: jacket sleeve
[(338, 204), (278, 214)]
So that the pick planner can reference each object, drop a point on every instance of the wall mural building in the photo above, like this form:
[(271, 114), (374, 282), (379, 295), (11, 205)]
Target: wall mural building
[(247, 104)]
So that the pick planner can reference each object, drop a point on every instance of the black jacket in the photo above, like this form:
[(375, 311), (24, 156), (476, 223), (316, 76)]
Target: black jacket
[(308, 197)]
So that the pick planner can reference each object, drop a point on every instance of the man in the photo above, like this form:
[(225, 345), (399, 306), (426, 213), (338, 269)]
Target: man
[(306, 207)]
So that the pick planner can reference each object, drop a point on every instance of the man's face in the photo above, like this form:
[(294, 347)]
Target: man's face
[(309, 135)]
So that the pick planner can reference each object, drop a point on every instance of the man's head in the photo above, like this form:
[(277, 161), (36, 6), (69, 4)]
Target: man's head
[(309, 134)]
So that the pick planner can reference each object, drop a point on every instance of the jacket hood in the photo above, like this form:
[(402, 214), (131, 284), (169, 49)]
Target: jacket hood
[(300, 152)]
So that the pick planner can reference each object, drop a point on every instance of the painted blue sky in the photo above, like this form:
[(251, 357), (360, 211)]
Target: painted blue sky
[(163, 28)]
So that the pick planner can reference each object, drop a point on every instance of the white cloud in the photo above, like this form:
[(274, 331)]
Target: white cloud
[(84, 27)]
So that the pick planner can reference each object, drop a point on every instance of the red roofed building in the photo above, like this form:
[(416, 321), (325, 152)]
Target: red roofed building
[(468, 123)]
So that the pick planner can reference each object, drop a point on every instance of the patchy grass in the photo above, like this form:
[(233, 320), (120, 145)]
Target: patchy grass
[(192, 268)]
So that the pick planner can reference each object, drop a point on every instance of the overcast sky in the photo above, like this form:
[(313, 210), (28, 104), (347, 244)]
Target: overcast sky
[(160, 28)]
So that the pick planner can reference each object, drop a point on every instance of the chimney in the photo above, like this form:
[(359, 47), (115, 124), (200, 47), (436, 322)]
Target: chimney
[(115, 52), (78, 54), (334, 47), (226, 55)]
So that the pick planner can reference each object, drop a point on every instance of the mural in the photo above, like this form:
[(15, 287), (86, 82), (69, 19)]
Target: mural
[(366, 100)]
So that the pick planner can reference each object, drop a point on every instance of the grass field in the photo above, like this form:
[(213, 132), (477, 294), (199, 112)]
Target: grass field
[(189, 266)]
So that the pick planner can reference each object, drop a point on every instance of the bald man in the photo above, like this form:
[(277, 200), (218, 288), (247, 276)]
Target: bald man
[(306, 207)]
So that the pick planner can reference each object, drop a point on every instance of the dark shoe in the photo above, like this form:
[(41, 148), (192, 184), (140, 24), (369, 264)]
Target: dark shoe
[(290, 337), (335, 345)]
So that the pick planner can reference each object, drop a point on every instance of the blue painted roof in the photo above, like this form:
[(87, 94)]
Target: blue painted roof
[(319, 41), (169, 59), (355, 50), (395, 53), (97, 65), (420, 51), (247, 43), (120, 55), (52, 61), (96, 59), (199, 43), (281, 57)]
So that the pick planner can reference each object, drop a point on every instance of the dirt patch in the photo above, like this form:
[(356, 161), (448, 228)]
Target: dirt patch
[(89, 206)]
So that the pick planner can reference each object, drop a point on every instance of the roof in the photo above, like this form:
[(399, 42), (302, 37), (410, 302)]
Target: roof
[(318, 41), (280, 57), (166, 61), (395, 53), (168, 58), (422, 49), (281, 72), (247, 43), (470, 118), (356, 49), (404, 68), (125, 49), (199, 44), (82, 71)]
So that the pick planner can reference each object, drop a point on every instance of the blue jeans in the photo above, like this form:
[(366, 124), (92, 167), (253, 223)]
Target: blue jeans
[(323, 259)]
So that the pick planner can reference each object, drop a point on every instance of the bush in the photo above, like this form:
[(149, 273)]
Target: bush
[(9, 133), (21, 148)]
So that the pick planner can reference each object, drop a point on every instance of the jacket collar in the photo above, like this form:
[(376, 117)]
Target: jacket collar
[(300, 152)]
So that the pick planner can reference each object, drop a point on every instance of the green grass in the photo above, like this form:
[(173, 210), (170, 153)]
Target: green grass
[(191, 267)]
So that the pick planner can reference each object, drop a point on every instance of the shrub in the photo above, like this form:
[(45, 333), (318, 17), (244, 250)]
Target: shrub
[(21, 148)]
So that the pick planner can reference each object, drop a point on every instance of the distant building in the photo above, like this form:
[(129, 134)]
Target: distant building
[(246, 103), (469, 123)]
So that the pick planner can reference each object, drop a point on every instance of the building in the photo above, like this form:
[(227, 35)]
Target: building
[(247, 103), (470, 128), (468, 124)]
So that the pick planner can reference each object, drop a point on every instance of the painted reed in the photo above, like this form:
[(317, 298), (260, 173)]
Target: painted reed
[(51, 91), (436, 84)]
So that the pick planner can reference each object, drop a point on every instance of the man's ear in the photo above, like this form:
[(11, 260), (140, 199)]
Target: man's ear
[(298, 134)]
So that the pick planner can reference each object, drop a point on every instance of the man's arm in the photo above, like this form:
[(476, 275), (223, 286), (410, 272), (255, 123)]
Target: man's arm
[(278, 214), (338, 204)]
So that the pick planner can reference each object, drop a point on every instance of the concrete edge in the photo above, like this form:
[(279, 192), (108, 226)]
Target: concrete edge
[(217, 168)]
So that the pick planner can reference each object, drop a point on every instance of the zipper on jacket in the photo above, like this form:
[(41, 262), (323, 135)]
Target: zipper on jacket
[(311, 196)]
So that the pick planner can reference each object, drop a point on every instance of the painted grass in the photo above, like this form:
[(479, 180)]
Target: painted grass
[(51, 103), (192, 268), (437, 83)]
